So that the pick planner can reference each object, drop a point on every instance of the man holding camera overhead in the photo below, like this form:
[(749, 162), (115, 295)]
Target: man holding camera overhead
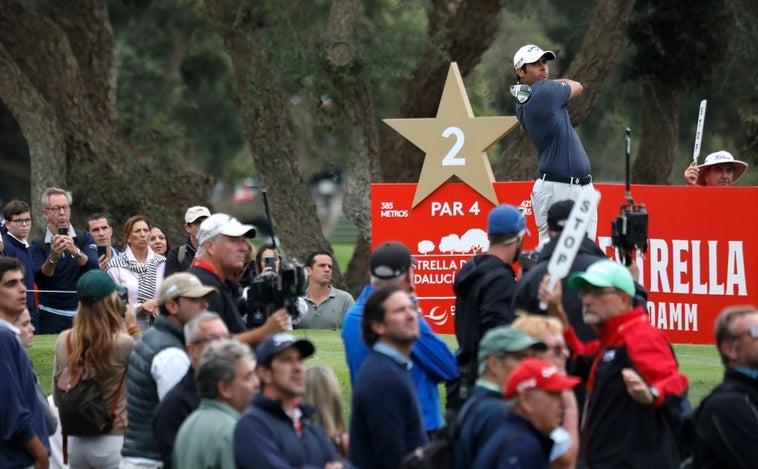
[(222, 244), (60, 257)]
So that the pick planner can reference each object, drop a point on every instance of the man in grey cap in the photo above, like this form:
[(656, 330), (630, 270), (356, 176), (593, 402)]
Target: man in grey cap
[(500, 351), (179, 258), (158, 362), (564, 168), (222, 245)]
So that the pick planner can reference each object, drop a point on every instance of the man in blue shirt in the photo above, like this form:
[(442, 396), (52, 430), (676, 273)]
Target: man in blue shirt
[(386, 423), (18, 220), (433, 362), (564, 168)]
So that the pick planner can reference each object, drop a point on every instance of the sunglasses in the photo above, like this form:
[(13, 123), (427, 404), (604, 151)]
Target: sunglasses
[(751, 332)]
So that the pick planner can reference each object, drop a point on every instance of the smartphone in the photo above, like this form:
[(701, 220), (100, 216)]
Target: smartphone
[(102, 250), (269, 262), (63, 231)]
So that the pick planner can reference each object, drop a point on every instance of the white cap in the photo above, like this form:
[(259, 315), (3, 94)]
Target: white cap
[(193, 213), (530, 54), (721, 157), (223, 224)]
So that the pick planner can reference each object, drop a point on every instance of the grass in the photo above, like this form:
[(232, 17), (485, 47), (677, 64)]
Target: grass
[(700, 363)]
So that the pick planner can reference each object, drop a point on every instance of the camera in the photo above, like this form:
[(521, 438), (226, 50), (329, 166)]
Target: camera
[(268, 292), (629, 230), (102, 250), (62, 231)]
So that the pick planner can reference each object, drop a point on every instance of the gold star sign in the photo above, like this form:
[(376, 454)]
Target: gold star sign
[(455, 141)]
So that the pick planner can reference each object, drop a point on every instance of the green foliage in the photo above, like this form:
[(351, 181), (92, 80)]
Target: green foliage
[(678, 42)]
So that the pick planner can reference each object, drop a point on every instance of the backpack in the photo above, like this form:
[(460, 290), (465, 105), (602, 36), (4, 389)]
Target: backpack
[(81, 407), (438, 453)]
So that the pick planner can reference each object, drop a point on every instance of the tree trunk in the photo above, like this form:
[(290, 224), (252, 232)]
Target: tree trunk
[(591, 67), (660, 133), (264, 119), (462, 31)]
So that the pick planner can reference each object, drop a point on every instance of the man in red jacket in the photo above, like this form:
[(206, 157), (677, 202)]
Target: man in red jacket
[(634, 385)]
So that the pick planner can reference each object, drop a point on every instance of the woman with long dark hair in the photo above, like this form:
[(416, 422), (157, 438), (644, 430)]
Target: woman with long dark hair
[(97, 344)]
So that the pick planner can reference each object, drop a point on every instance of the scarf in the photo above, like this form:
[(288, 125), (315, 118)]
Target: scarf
[(146, 274)]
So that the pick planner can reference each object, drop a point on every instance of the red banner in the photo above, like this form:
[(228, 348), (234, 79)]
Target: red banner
[(703, 253)]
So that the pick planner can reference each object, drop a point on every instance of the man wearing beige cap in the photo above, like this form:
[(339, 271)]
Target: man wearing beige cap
[(180, 258), (718, 169), (564, 168), (158, 362), (222, 244)]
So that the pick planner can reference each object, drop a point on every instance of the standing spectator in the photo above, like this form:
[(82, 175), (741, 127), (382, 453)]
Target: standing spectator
[(182, 399), (140, 270), (484, 289), (23, 432), (326, 305), (386, 421), (502, 348), (60, 257), (26, 334), (157, 363), (634, 377), (101, 231), (392, 265), (158, 241), (533, 396), (549, 330), (180, 258), (267, 259), (226, 381), (223, 245), (96, 343), (726, 422), (322, 392), (718, 169), (18, 220), (564, 168), (276, 431)]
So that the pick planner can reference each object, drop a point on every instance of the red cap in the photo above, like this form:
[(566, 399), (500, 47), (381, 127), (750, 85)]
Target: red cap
[(533, 373)]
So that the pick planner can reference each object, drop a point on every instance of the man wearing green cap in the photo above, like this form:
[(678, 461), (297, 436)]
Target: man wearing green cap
[(634, 382), (501, 349)]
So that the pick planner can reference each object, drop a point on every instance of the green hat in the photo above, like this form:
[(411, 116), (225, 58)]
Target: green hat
[(95, 285), (506, 339), (605, 273)]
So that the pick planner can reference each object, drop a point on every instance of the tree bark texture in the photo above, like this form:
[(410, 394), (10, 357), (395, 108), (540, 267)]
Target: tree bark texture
[(591, 67), (461, 31), (242, 26), (660, 133)]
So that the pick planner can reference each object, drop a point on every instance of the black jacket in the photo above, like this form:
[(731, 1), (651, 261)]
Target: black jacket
[(726, 424), (171, 412)]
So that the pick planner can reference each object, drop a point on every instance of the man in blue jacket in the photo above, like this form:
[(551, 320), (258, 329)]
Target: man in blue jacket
[(275, 431), (433, 362)]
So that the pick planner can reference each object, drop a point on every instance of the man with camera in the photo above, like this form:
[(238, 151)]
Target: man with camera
[(60, 257), (222, 245), (101, 231)]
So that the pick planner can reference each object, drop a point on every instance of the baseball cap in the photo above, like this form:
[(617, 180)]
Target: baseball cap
[(506, 339), (390, 260), (604, 273), (506, 219), (183, 284), (275, 343), (94, 285), (193, 213), (558, 213), (533, 373), (223, 224), (720, 157), (529, 54)]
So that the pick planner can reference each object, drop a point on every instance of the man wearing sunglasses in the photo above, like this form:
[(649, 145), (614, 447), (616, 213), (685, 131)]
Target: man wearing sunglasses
[(634, 383), (726, 423)]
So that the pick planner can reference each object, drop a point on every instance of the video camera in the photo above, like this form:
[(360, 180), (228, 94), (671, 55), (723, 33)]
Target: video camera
[(629, 229), (268, 292)]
